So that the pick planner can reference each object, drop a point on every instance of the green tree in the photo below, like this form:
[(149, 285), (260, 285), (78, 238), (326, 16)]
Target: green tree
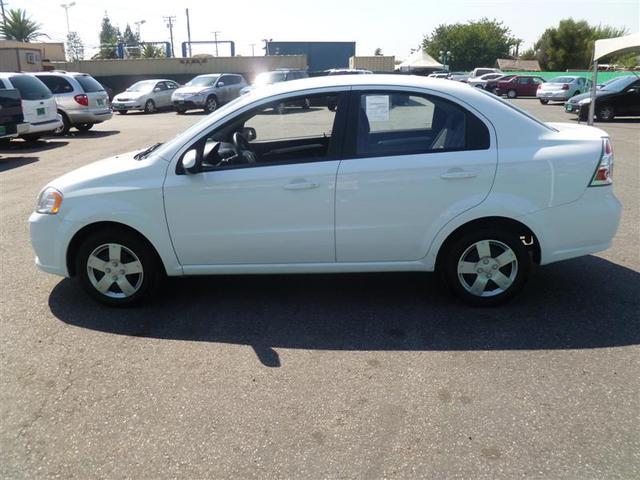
[(473, 44), (378, 52), (109, 38), (75, 47), (132, 43), (18, 26), (570, 44), (529, 54), (151, 51)]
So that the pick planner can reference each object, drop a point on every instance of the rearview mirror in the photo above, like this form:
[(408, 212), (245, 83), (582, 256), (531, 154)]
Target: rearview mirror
[(249, 133), (190, 162), (220, 84)]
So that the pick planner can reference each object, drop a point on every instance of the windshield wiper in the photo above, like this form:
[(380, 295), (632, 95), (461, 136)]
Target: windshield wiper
[(145, 153)]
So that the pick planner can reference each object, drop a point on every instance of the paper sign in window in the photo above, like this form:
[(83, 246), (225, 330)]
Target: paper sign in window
[(377, 108)]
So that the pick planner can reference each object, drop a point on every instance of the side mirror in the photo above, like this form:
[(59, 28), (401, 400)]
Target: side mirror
[(220, 84), (190, 162), (249, 133), (157, 89)]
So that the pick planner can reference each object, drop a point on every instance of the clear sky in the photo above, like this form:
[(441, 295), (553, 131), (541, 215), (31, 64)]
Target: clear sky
[(396, 26)]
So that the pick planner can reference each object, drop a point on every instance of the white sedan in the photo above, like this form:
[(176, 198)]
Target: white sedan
[(407, 174)]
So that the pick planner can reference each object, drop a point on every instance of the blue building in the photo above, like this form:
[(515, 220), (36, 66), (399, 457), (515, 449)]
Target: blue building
[(320, 55)]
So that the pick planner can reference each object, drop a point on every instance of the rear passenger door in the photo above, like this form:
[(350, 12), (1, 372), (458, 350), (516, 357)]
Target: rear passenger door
[(412, 163), (162, 97)]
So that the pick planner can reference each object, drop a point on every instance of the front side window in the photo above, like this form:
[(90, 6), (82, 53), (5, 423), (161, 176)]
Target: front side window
[(298, 130), (395, 123), (524, 80), (56, 84)]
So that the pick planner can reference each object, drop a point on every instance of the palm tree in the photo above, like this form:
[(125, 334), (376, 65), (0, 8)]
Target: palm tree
[(19, 27)]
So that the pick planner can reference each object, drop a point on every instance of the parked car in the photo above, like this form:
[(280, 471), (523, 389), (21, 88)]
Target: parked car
[(492, 85), (347, 71), (146, 95), (439, 75), (275, 76), (561, 89), (617, 98), (208, 92), (244, 191), (478, 72), (81, 100), (12, 121), (38, 104), (519, 86), (459, 76), (482, 80)]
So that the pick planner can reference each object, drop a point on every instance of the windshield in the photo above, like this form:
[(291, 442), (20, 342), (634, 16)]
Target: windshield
[(203, 81), (267, 78), (143, 86), (562, 80), (619, 84)]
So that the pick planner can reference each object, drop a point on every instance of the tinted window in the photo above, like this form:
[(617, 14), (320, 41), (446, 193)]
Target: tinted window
[(56, 84), (89, 84), (562, 80), (203, 81), (172, 85), (161, 86), (524, 80), (391, 123), (30, 87)]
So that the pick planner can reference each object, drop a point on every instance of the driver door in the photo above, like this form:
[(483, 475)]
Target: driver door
[(279, 210)]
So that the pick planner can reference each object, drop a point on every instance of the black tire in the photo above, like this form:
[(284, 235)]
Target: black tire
[(211, 104), (605, 113), (512, 94), (66, 125), (84, 127), (150, 106), (543, 101), (145, 283), (180, 111), (463, 248), (34, 137), (123, 112)]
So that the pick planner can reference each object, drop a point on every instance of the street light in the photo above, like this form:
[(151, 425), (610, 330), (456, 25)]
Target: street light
[(137, 24), (66, 7), (445, 57)]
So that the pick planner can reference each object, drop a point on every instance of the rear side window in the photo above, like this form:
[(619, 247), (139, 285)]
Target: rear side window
[(394, 123), (56, 84), (30, 88), (89, 84)]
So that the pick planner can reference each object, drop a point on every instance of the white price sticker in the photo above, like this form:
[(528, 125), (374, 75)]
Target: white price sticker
[(377, 108)]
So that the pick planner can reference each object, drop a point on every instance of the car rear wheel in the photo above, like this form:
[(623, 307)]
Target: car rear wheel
[(485, 268), (543, 101), (122, 112), (211, 104), (34, 137), (180, 111), (150, 106), (117, 267), (512, 94), (84, 127), (605, 113)]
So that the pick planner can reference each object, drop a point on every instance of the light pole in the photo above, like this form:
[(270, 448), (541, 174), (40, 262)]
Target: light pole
[(137, 24), (253, 51), (66, 7), (215, 36), (445, 57)]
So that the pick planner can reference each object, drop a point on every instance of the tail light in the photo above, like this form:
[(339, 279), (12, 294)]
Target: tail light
[(82, 99), (565, 86), (539, 86), (604, 172)]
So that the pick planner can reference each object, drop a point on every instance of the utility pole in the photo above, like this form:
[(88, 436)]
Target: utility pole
[(170, 21), (137, 24), (266, 45), (66, 7), (215, 36), (188, 32), (253, 52)]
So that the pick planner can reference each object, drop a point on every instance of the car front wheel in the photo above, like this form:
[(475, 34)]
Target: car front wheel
[(150, 106), (512, 94), (543, 101), (486, 268), (117, 267), (605, 113), (211, 104), (84, 127)]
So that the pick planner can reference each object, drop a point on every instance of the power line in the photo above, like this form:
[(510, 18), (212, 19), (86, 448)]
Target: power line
[(170, 21)]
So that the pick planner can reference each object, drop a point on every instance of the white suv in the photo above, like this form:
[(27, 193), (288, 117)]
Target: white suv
[(38, 104)]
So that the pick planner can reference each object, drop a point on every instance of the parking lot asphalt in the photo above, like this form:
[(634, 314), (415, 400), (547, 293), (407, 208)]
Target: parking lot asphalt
[(328, 376)]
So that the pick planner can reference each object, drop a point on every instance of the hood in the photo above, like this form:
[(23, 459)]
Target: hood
[(108, 173), (131, 95), (193, 90), (582, 96)]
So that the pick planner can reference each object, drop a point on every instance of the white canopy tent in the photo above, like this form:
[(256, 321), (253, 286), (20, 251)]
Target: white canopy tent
[(603, 48), (419, 60)]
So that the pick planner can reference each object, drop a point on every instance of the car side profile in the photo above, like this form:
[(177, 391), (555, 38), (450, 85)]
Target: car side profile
[(519, 86), (207, 92), (561, 89), (146, 95), (407, 174), (81, 100), (619, 97)]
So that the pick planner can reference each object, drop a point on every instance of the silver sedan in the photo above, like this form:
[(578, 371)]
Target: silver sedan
[(146, 95)]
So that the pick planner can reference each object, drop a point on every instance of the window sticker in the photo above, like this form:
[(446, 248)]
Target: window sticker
[(377, 108)]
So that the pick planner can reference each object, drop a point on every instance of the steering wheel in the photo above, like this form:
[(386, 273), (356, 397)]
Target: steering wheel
[(242, 148)]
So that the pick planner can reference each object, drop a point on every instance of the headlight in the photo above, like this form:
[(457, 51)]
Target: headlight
[(584, 101), (49, 201)]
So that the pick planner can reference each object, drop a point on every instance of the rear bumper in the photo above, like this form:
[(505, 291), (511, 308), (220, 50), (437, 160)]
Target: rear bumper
[(89, 116), (579, 228), (562, 96), (43, 127)]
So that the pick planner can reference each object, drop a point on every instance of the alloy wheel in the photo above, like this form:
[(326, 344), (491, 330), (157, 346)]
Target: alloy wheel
[(487, 268), (211, 104), (114, 270)]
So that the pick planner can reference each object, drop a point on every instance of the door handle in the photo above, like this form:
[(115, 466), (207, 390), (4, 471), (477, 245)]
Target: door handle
[(300, 185), (454, 174)]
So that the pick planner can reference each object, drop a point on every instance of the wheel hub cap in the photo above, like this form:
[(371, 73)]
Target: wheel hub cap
[(114, 270), (487, 268)]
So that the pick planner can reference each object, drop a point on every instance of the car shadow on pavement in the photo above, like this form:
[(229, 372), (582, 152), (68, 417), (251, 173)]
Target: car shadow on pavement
[(8, 163), (19, 146), (582, 303), (91, 133)]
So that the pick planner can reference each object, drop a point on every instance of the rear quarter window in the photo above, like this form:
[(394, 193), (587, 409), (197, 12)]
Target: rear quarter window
[(89, 84), (30, 88)]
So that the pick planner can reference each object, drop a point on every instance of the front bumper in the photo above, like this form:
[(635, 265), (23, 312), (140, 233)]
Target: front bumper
[(189, 102), (89, 115), (49, 240)]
